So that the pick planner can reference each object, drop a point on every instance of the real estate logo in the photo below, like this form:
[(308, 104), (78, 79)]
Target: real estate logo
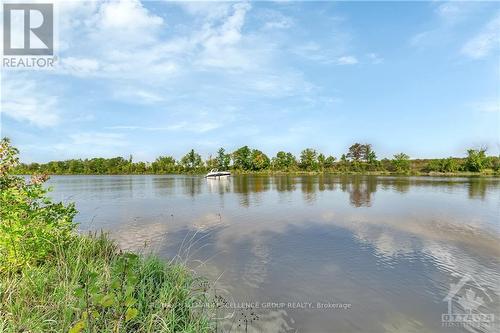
[(28, 35), (467, 303)]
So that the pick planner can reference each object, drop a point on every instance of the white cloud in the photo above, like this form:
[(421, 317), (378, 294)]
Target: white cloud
[(126, 48), (111, 39), (207, 10), (279, 85), (275, 20), (140, 96), (79, 66), (487, 41), (347, 60), (126, 22), (452, 12), (221, 43), (194, 127), (325, 55), (24, 100), (449, 16)]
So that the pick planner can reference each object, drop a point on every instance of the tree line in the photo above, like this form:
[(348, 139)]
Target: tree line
[(358, 159)]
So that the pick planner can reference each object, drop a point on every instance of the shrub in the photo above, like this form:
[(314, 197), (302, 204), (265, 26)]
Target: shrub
[(30, 222), (401, 162), (54, 280), (449, 164), (476, 160)]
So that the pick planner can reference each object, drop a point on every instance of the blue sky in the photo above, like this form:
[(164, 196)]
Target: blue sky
[(157, 78)]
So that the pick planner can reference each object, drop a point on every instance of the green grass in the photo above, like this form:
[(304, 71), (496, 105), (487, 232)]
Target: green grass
[(91, 286)]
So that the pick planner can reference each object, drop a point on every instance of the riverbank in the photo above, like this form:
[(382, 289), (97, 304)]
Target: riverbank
[(360, 159), (89, 285), (53, 279), (484, 173)]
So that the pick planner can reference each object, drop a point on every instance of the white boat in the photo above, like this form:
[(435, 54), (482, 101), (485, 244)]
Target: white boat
[(214, 173)]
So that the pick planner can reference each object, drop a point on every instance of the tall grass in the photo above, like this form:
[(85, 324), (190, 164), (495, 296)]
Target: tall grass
[(54, 280), (89, 285)]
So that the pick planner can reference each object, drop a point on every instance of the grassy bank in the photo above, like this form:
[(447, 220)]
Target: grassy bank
[(89, 285), (55, 280), (484, 173)]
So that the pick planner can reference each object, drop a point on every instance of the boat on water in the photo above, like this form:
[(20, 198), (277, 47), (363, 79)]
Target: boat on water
[(214, 173)]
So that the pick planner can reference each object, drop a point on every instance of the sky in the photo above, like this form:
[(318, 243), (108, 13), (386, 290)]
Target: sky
[(159, 78)]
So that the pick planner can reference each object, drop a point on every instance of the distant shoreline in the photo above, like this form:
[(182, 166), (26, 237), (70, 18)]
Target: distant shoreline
[(360, 159), (489, 173)]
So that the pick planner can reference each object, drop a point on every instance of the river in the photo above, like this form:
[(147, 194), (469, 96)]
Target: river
[(316, 253)]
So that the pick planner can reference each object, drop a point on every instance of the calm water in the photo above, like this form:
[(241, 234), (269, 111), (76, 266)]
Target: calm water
[(389, 250)]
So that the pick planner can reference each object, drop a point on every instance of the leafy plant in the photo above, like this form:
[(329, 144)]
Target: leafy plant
[(54, 280), (111, 304), (476, 160), (31, 223), (401, 162)]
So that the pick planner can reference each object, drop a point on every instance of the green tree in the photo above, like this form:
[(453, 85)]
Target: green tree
[(309, 159), (356, 152), (401, 162), (164, 164), (329, 162), (284, 161), (259, 160), (476, 160), (75, 167), (494, 162), (140, 167), (370, 156), (367, 153), (242, 158), (211, 163), (449, 165), (223, 159), (321, 161), (191, 161)]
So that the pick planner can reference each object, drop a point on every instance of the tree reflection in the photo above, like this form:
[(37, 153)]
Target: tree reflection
[(401, 184), (360, 189), (309, 188), (478, 188), (285, 183), (192, 185)]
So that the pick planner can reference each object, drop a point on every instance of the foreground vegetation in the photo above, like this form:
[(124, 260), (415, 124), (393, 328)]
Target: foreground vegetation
[(360, 158), (54, 280)]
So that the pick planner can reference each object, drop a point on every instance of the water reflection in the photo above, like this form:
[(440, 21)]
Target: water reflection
[(478, 188), (391, 247)]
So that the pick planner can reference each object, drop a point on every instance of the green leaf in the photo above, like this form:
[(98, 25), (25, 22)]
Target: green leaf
[(79, 292), (131, 313), (115, 284), (129, 290), (130, 301), (78, 327), (95, 314), (132, 279), (107, 300)]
